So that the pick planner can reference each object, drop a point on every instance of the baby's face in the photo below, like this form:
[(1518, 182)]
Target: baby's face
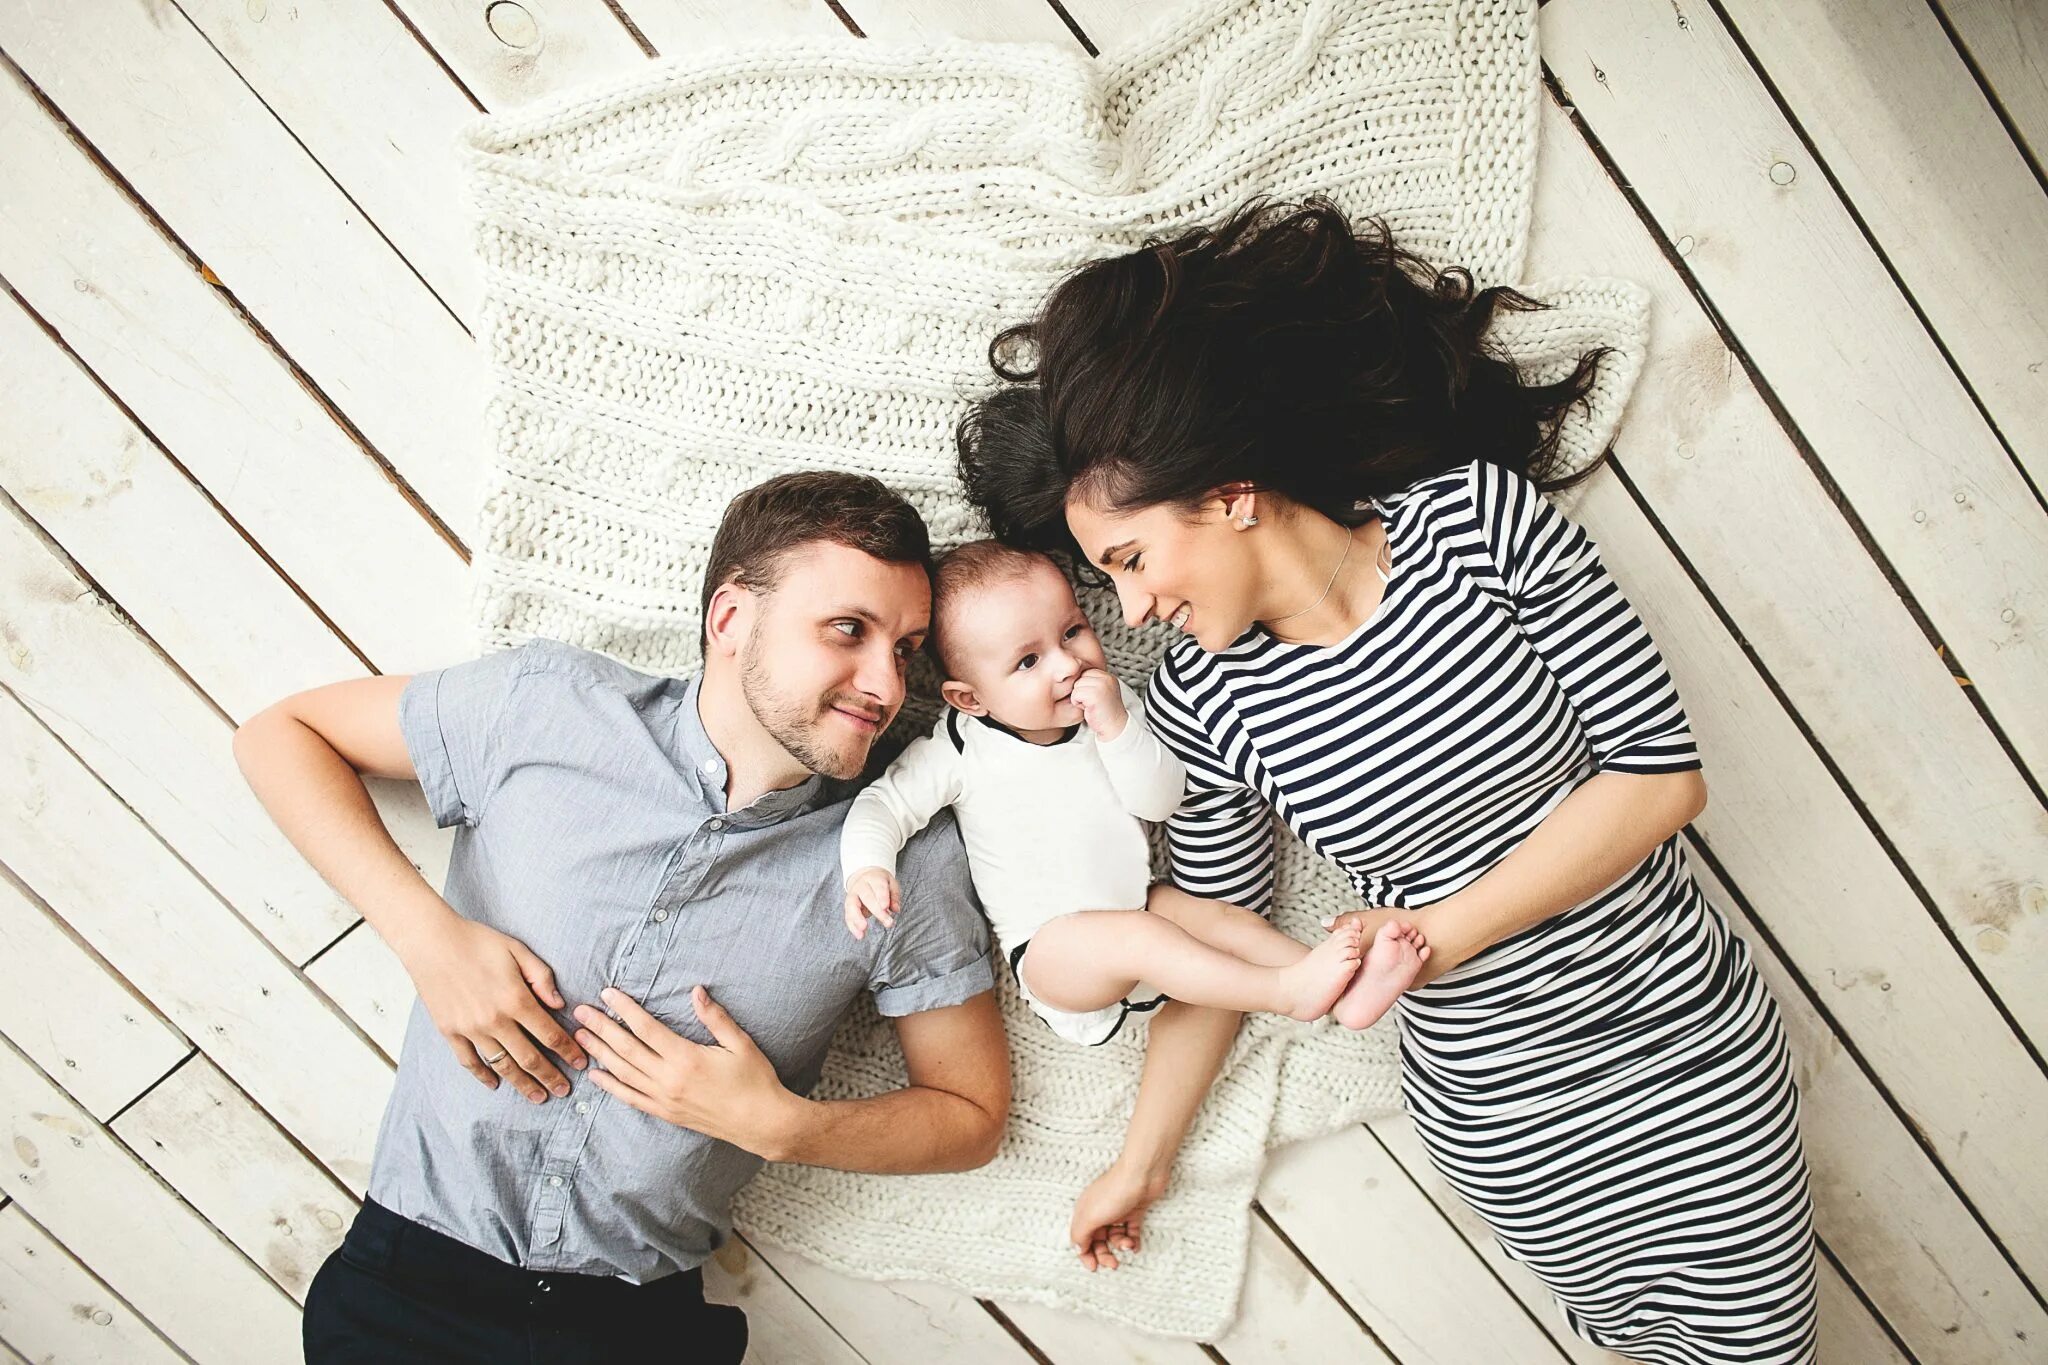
[(1020, 643)]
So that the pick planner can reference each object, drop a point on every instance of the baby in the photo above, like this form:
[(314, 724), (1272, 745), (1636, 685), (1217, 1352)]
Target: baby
[(1049, 767)]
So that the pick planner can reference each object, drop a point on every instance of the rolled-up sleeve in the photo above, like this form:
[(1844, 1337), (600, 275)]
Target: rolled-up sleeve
[(453, 721), (1584, 629), (937, 954)]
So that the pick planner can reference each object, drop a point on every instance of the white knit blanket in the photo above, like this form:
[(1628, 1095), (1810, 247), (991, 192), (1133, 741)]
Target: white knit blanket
[(794, 256)]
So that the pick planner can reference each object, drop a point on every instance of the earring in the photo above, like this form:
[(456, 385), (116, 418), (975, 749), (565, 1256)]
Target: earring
[(1247, 522)]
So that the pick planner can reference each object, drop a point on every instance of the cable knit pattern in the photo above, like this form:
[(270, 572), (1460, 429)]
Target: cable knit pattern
[(794, 256)]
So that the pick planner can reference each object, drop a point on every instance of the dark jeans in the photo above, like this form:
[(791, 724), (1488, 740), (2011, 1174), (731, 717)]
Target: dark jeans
[(397, 1293)]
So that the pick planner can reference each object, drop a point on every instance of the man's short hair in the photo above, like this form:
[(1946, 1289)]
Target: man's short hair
[(769, 522), (976, 564)]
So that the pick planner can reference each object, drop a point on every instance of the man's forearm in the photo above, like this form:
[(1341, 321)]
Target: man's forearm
[(322, 806), (900, 1133)]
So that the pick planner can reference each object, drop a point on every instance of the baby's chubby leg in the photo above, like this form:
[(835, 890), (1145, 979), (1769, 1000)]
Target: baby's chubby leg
[(1240, 932), (1092, 959)]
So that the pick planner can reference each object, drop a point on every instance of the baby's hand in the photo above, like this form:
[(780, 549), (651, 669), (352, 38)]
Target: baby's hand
[(1101, 702), (871, 891)]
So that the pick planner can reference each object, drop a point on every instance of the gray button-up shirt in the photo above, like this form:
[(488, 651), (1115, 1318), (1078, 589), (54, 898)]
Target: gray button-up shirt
[(592, 827)]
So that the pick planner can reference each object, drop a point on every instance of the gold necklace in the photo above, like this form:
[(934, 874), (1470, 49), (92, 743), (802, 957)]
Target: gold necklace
[(1349, 541)]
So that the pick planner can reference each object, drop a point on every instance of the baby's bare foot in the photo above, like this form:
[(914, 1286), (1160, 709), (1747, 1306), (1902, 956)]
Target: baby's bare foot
[(1390, 967), (1313, 984)]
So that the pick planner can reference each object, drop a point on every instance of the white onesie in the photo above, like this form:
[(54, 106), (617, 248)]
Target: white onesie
[(1049, 828)]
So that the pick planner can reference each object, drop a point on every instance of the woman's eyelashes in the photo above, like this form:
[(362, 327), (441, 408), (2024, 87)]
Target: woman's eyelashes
[(1131, 564)]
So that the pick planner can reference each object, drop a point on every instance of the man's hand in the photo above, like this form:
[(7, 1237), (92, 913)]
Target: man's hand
[(484, 991), (1101, 702), (872, 891), (1109, 1217), (728, 1091)]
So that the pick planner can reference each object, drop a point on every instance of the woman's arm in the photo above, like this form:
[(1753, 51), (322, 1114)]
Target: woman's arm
[(1183, 1051), (1594, 838)]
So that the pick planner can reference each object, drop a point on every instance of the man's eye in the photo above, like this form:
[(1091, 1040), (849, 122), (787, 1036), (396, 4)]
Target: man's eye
[(851, 627), (1027, 661), (905, 650)]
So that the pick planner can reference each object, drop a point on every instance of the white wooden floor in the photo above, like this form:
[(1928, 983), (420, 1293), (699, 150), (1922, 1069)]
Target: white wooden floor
[(237, 450)]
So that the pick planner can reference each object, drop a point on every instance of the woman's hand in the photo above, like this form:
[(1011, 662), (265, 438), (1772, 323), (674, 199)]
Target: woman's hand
[(1110, 1215), (485, 992)]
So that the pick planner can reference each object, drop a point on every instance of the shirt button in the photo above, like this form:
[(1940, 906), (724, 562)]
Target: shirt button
[(660, 915), (555, 1181), (710, 766), (583, 1106), (714, 825)]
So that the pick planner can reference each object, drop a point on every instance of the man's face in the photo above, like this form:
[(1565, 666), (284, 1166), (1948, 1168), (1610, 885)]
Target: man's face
[(823, 666)]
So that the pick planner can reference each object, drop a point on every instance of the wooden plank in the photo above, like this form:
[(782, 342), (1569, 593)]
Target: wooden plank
[(1343, 1201), (1692, 130), (1003, 21), (240, 425), (71, 658), (229, 1161), (780, 1325), (1833, 901), (144, 732), (1288, 1317), (684, 28), (1889, 105), (1708, 455), (361, 974), (1880, 1205), (93, 1195), (173, 119), (394, 153), (533, 48), (122, 891), (880, 1319), (1711, 458), (1849, 1335), (71, 1016), (54, 1309), (2008, 41), (1070, 1339)]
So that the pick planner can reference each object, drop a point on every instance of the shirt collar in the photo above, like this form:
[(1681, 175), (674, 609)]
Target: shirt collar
[(708, 769)]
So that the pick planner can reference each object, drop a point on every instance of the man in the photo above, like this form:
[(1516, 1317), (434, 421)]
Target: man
[(645, 874)]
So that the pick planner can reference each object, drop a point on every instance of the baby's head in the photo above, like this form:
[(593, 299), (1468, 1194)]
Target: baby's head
[(1009, 637)]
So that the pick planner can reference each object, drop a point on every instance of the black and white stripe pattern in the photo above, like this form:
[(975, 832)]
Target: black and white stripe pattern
[(1610, 1089)]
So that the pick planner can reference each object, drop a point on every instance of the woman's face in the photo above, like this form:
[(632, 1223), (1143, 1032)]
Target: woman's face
[(1192, 570)]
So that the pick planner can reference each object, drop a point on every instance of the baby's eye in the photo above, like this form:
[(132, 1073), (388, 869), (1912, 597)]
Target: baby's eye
[(1026, 662), (1072, 631)]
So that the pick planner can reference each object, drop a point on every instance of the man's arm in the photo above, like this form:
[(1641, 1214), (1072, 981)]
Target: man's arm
[(305, 758), (949, 1118)]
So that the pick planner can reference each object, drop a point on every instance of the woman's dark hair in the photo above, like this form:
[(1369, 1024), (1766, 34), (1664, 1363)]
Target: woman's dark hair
[(1283, 349)]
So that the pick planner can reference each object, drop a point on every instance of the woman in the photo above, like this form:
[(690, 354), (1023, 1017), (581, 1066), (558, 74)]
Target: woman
[(1238, 427)]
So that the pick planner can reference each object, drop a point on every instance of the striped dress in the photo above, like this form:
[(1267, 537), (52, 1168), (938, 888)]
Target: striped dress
[(1610, 1089)]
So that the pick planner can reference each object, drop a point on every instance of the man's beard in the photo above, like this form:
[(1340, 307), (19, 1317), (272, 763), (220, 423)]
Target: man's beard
[(798, 728)]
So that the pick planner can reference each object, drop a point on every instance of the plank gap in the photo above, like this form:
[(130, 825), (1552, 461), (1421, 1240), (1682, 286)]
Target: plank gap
[(632, 29), (1820, 1246), (292, 133), (141, 1095), (1807, 454), (405, 21), (1841, 780), (1877, 250), (1316, 1273), (94, 1275), (1704, 852), (1002, 1319), (2012, 129), (184, 472), (305, 380)]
